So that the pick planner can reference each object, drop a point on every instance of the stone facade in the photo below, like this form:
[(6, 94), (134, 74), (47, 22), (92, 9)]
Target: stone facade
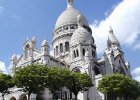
[(74, 48)]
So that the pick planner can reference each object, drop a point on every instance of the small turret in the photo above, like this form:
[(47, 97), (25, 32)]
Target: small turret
[(45, 48), (112, 40), (34, 42), (14, 60)]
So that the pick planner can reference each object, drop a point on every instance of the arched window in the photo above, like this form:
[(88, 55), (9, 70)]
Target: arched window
[(66, 28), (74, 54), (120, 62), (83, 52), (77, 53), (67, 46), (23, 97), (45, 49), (12, 98), (61, 48), (93, 54), (72, 27), (76, 69), (56, 50)]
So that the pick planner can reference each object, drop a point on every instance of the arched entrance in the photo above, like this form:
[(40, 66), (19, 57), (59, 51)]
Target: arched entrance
[(23, 97), (12, 98)]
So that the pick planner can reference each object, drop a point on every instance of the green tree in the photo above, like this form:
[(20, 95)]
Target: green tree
[(136, 90), (31, 78), (77, 82), (6, 82), (118, 85), (54, 80)]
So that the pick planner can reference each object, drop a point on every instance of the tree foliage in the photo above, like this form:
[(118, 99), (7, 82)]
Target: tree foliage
[(119, 85), (54, 80), (6, 82), (34, 78), (31, 78), (78, 82)]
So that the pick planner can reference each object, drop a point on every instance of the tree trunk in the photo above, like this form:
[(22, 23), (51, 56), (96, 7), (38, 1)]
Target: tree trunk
[(105, 96), (53, 96), (3, 97), (61, 93), (29, 95), (76, 96)]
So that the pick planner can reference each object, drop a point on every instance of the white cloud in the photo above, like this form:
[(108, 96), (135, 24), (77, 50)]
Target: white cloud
[(136, 74), (136, 71), (137, 46), (3, 67), (137, 78), (125, 21), (1, 9)]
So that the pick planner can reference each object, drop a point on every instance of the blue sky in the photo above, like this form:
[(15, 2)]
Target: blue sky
[(20, 19)]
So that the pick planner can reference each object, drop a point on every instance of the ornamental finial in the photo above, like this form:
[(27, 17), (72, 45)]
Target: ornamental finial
[(79, 21), (69, 3)]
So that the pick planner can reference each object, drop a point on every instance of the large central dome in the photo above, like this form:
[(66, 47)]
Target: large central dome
[(69, 16)]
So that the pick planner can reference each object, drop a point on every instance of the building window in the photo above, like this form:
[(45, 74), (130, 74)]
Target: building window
[(72, 27), (67, 46), (61, 48), (66, 28), (56, 50), (74, 53), (93, 53), (120, 62), (13, 98), (77, 53), (76, 69), (45, 49), (60, 30), (83, 52)]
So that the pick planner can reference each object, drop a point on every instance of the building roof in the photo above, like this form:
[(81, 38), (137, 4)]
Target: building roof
[(112, 37)]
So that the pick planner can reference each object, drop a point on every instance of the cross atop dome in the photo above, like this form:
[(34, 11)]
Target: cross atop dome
[(69, 3)]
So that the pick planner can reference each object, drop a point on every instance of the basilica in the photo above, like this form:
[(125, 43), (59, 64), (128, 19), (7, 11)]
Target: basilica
[(74, 48)]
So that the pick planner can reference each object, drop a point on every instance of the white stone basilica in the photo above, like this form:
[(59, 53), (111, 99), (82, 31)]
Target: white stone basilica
[(74, 48)]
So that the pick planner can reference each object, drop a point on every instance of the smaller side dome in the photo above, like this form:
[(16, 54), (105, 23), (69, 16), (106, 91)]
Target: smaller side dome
[(81, 35), (44, 43)]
